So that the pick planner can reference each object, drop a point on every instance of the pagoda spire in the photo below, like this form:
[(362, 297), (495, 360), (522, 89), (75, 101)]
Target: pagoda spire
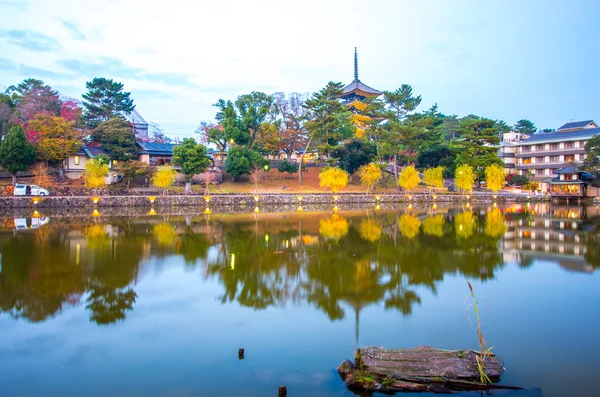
[(355, 64)]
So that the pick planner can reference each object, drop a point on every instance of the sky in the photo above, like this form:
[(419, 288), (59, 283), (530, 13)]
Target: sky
[(505, 60)]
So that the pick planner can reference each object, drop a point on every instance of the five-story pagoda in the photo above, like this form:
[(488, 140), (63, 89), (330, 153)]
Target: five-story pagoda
[(354, 96)]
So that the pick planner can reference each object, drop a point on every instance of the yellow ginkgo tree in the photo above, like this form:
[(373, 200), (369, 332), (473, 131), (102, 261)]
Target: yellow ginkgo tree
[(494, 177), (334, 179), (464, 178), (369, 175), (409, 178), (164, 177), (434, 177)]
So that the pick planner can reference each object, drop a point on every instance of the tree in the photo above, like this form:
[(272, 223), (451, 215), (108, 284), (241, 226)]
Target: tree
[(369, 175), (333, 178), (157, 134), (327, 120), (464, 178), (591, 163), (409, 178), (40, 174), (354, 154), (192, 158), (438, 156), (516, 179), (104, 100), (57, 139), (16, 152), (241, 160), (434, 177), (117, 138), (132, 169), (291, 132), (95, 172), (286, 166), (494, 177), (476, 144), (32, 97), (525, 126), (164, 177), (7, 108)]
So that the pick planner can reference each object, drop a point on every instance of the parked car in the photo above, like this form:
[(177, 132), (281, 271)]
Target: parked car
[(22, 189)]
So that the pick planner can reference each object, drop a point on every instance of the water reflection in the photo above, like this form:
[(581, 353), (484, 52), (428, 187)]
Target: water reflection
[(260, 260)]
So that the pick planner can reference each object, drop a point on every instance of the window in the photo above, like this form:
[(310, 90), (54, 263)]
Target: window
[(527, 148), (569, 158), (539, 148), (527, 160), (569, 145), (540, 160), (76, 160), (582, 144), (554, 146), (582, 157), (539, 172), (115, 162), (554, 159)]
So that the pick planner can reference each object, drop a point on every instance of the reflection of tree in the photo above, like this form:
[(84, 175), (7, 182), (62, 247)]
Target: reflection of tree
[(592, 243), (369, 230), (434, 225), (333, 227), (495, 225), (109, 305), (409, 226), (464, 223), (164, 233)]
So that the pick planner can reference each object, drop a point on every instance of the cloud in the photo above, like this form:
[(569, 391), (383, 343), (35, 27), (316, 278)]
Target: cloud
[(151, 93), (30, 40), (6, 64), (19, 5), (115, 68), (31, 71), (73, 28)]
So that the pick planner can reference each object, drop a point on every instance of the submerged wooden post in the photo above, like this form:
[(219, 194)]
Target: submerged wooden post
[(241, 354), (282, 391)]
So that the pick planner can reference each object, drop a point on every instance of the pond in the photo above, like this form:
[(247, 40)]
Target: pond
[(158, 304)]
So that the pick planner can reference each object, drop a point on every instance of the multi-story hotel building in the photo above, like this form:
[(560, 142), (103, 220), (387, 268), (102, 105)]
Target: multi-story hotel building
[(542, 154)]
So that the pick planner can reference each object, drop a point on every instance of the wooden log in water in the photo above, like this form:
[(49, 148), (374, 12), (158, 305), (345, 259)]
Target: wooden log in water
[(419, 369)]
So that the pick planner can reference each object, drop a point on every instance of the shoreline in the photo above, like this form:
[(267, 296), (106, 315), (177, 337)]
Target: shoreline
[(252, 200)]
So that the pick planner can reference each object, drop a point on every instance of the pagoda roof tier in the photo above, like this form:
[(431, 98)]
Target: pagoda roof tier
[(359, 88)]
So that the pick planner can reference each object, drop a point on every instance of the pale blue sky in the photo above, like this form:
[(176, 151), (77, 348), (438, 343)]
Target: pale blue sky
[(503, 59)]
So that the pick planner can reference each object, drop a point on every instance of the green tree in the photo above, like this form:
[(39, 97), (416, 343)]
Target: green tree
[(591, 163), (354, 154), (117, 138), (192, 158), (57, 139), (464, 178), (104, 100), (476, 144), (525, 126), (516, 179), (286, 166), (241, 161), (327, 121), (7, 109), (132, 169), (16, 152)]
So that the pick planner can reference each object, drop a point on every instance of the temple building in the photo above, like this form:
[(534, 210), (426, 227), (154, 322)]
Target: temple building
[(354, 96)]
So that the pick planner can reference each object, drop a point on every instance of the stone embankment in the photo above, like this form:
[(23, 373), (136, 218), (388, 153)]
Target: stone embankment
[(234, 200)]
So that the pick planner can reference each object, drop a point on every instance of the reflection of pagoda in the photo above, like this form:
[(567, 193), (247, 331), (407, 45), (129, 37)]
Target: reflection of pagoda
[(354, 96)]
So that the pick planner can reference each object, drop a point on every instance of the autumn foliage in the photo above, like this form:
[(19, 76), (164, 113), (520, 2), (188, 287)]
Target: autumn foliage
[(409, 178), (333, 178), (369, 175)]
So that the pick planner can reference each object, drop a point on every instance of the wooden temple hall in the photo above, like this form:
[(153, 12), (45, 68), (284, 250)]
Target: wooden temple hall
[(355, 95)]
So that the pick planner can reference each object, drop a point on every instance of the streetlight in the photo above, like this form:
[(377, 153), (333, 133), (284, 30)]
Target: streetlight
[(266, 167)]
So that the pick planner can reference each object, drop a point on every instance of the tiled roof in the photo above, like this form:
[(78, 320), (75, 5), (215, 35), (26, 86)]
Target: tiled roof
[(358, 85), (576, 124), (569, 169), (560, 136), (156, 148)]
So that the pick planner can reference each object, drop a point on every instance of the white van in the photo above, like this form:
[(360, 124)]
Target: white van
[(22, 189)]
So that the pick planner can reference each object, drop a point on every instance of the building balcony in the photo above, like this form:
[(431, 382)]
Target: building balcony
[(556, 152)]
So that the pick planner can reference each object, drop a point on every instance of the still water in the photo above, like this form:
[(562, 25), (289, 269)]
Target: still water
[(158, 304)]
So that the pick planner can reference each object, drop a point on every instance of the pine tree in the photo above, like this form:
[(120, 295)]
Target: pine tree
[(16, 152), (105, 99)]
